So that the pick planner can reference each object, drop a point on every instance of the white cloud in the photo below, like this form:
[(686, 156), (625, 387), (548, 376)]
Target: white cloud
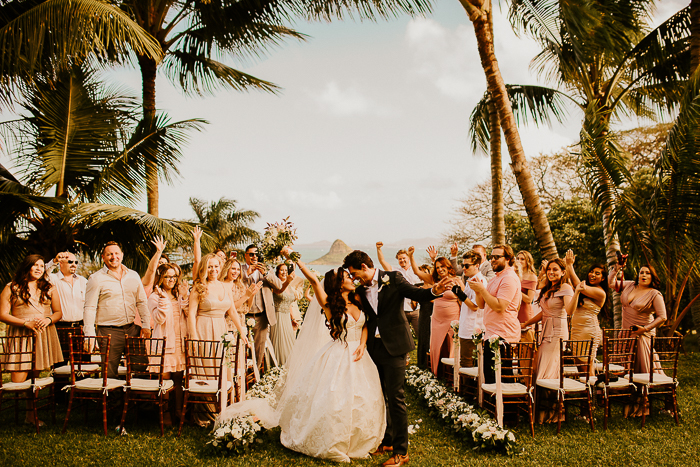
[(346, 102), (446, 57), (310, 199)]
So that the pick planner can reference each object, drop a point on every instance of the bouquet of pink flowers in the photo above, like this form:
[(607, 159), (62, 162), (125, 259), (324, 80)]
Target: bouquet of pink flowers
[(277, 240)]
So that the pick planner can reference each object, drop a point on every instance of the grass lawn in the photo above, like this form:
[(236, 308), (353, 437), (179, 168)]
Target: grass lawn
[(661, 442)]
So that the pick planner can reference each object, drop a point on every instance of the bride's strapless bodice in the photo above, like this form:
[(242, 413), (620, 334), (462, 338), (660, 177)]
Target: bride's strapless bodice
[(353, 330)]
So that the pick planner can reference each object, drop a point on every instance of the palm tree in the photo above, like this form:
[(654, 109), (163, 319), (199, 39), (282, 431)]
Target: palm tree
[(228, 226), (606, 60), (192, 33), (42, 36), (534, 102), (479, 12), (89, 142)]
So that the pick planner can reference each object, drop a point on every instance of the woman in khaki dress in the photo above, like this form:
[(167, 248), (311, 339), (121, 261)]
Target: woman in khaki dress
[(29, 304)]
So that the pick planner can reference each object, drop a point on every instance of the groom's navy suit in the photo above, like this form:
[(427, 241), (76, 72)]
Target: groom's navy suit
[(389, 350)]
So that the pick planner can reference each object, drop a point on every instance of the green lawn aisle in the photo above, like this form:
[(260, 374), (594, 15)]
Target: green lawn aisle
[(434, 444)]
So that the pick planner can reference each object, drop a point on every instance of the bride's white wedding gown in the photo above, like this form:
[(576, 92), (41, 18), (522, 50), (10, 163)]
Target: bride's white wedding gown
[(335, 410), (329, 406)]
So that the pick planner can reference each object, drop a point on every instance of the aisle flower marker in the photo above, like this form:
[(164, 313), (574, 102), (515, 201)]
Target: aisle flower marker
[(485, 432), (239, 433)]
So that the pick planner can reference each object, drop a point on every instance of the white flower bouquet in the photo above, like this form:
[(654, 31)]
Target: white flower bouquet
[(278, 239), (239, 433), (485, 432), (229, 340)]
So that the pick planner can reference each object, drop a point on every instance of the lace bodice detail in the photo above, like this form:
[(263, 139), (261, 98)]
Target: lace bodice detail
[(353, 331), (283, 301)]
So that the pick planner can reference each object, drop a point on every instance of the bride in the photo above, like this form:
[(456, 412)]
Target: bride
[(331, 405)]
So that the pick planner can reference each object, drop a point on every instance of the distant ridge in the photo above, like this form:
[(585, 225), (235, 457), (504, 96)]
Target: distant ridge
[(336, 255)]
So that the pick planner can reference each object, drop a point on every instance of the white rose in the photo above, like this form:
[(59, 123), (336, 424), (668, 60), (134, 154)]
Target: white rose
[(219, 433)]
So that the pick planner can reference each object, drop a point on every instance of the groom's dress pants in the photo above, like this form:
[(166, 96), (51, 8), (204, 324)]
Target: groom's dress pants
[(392, 372)]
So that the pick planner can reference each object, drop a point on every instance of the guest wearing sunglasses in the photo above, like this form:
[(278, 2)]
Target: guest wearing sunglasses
[(500, 300), (71, 290)]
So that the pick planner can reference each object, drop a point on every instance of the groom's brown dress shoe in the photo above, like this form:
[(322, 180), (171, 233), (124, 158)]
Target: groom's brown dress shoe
[(382, 449), (396, 460)]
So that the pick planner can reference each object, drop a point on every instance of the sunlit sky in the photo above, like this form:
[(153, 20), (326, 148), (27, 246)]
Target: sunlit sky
[(368, 138)]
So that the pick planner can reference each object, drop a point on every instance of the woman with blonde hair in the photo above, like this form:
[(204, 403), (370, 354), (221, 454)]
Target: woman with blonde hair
[(210, 303), (242, 296)]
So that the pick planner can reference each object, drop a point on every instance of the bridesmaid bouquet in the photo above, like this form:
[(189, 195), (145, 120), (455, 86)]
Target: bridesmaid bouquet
[(277, 240)]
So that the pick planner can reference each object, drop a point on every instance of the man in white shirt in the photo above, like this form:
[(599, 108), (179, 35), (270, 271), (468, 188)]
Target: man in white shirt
[(409, 307), (71, 290), (113, 297), (471, 317)]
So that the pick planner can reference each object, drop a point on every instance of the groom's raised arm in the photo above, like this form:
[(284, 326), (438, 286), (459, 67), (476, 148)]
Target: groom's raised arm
[(417, 294)]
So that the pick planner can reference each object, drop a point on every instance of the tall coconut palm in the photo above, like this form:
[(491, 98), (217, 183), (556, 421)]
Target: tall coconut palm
[(192, 34), (528, 103), (41, 36), (479, 12), (228, 225)]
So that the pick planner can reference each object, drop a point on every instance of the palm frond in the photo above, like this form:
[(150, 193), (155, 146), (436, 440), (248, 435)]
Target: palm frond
[(536, 104), (197, 74), (42, 37), (130, 227)]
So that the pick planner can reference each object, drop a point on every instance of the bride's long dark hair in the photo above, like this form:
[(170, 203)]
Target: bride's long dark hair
[(332, 282)]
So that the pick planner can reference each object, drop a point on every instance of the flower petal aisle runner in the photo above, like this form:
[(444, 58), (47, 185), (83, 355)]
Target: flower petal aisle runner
[(485, 432), (239, 433)]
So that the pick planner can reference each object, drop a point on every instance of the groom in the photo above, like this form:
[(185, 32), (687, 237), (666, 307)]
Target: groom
[(389, 340)]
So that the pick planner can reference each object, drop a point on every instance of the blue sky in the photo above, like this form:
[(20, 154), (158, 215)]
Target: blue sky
[(367, 140)]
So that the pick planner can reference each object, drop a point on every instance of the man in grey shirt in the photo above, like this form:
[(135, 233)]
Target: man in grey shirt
[(113, 297)]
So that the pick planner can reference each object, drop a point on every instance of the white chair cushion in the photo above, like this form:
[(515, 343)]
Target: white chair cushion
[(471, 371), (620, 383), (569, 384), (208, 386), (613, 367), (121, 371), (507, 388), (65, 369), (23, 386), (95, 384), (643, 378), (570, 370), (96, 358), (139, 384), (448, 361)]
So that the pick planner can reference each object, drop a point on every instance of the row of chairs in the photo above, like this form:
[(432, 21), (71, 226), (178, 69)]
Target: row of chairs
[(204, 383), (616, 380)]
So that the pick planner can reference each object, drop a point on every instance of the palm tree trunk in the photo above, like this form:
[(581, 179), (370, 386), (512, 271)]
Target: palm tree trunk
[(612, 246), (148, 80), (478, 12), (498, 222)]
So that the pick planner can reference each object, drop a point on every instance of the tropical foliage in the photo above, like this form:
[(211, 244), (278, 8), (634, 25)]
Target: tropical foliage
[(88, 144), (228, 226)]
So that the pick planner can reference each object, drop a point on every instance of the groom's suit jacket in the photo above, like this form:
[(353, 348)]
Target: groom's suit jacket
[(390, 317)]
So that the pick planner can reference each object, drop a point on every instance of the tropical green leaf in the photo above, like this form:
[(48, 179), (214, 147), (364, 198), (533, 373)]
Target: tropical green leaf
[(39, 37), (536, 104)]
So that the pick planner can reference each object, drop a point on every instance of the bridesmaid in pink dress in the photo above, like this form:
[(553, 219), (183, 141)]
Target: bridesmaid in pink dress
[(445, 309), (169, 319), (555, 295), (528, 285), (643, 309)]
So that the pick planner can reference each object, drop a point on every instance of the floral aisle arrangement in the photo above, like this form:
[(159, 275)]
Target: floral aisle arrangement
[(239, 433), (485, 432), (278, 238)]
